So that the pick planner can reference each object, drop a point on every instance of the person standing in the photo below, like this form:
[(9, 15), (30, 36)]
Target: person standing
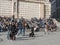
[(47, 28), (8, 30), (13, 31), (20, 28), (23, 26)]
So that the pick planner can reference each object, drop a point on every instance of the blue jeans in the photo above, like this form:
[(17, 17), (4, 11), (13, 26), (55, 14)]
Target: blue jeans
[(1, 29), (8, 33), (22, 31)]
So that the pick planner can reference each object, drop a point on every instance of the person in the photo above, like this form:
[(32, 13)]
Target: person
[(1, 27), (27, 26), (36, 28), (20, 28), (41, 22), (9, 30), (23, 26), (46, 28), (32, 32), (13, 31)]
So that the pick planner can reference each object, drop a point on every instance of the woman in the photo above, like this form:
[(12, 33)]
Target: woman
[(46, 27)]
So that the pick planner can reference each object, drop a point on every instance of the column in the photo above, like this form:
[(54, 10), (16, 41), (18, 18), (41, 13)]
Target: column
[(14, 8), (42, 10)]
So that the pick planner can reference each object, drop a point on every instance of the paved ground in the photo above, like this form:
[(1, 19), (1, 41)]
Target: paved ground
[(41, 39), (53, 38)]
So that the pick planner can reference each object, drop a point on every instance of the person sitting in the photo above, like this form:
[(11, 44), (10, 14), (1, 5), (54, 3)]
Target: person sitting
[(32, 32)]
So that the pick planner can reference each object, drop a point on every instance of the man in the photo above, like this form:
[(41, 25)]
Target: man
[(13, 31), (20, 27), (23, 26)]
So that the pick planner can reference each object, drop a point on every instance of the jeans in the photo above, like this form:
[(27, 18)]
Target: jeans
[(8, 33), (22, 31), (1, 29)]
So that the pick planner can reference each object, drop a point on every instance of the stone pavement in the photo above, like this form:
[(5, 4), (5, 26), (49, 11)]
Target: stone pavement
[(53, 38)]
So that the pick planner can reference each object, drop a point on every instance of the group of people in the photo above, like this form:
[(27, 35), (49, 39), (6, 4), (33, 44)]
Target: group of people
[(18, 26), (48, 24)]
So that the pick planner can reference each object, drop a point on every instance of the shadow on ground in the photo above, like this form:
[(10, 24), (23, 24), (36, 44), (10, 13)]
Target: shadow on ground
[(26, 37), (1, 40)]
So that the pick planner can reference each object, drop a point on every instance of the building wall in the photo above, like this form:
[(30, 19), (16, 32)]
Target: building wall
[(58, 8), (42, 15), (47, 11), (29, 10), (55, 7), (5, 8), (47, 8), (25, 9)]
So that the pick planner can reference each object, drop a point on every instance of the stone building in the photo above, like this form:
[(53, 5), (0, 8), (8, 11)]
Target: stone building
[(22, 8), (47, 8)]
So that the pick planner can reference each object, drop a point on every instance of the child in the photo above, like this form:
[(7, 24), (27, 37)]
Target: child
[(32, 32)]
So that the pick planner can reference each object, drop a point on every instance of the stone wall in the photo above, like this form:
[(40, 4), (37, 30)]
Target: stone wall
[(5, 8), (29, 10), (26, 9)]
